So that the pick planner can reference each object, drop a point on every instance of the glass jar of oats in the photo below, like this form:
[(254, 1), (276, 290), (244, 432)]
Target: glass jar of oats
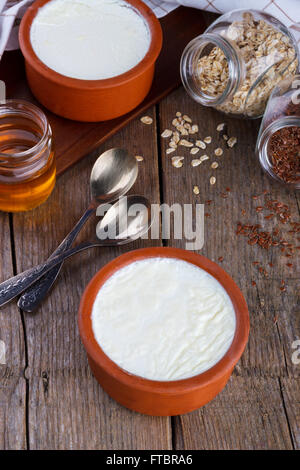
[(238, 60)]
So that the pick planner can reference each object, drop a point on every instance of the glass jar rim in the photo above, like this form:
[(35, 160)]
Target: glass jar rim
[(32, 111), (234, 67)]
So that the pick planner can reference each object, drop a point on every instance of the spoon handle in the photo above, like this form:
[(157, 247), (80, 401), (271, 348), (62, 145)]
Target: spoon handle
[(12, 287), (32, 298)]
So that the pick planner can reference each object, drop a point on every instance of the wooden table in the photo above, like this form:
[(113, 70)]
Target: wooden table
[(48, 396)]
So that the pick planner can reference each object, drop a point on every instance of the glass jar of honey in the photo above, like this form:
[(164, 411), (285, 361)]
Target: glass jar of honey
[(27, 162)]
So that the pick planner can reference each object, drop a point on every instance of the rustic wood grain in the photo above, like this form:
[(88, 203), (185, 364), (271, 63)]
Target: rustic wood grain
[(274, 315), (67, 409), (290, 391), (248, 414), (12, 381)]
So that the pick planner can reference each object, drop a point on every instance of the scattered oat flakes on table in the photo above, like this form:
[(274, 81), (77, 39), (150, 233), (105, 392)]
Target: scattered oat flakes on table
[(146, 120), (231, 141), (218, 152), (177, 162), (166, 133)]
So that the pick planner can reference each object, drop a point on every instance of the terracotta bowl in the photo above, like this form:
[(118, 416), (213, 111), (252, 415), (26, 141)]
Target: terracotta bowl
[(90, 100), (155, 397)]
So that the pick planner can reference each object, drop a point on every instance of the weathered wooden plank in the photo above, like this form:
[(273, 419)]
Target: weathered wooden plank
[(290, 389), (67, 408), (274, 325), (247, 414), (91, 420), (12, 363)]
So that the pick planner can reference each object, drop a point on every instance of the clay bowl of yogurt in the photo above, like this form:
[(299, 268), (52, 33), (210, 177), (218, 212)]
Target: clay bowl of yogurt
[(90, 60), (163, 329)]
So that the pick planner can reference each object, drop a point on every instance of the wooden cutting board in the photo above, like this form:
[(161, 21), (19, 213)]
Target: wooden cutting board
[(73, 140)]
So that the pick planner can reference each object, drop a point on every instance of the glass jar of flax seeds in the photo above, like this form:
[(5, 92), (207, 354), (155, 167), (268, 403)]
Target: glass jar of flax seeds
[(278, 143)]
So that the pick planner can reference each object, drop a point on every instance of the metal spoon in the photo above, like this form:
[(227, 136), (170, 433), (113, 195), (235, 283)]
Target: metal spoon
[(113, 174), (128, 219)]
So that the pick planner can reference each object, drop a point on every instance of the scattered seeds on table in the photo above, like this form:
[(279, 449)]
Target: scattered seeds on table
[(207, 139), (166, 133), (178, 114), (139, 158), (212, 180), (177, 162), (173, 145), (194, 129), (195, 162), (214, 165), (218, 152), (195, 150), (187, 118), (196, 190), (231, 141), (185, 143), (200, 144), (225, 136), (175, 122), (204, 157), (220, 127), (175, 137), (146, 120), (284, 153), (170, 150), (182, 130)]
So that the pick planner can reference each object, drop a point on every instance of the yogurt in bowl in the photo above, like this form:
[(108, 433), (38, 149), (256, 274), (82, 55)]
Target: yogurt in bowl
[(90, 60), (163, 319), (89, 39), (163, 329)]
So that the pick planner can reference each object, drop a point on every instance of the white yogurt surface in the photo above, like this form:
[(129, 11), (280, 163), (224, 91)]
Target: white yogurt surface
[(89, 39), (163, 319)]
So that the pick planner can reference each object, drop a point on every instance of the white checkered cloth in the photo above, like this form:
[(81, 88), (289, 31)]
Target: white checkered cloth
[(288, 11)]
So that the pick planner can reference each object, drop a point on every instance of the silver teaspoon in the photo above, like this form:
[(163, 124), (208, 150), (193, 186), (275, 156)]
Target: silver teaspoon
[(128, 219), (113, 174)]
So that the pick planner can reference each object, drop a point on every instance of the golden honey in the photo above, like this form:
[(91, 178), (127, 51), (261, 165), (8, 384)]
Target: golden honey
[(27, 162)]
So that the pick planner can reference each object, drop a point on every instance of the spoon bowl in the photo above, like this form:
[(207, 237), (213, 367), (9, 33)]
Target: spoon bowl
[(113, 174)]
